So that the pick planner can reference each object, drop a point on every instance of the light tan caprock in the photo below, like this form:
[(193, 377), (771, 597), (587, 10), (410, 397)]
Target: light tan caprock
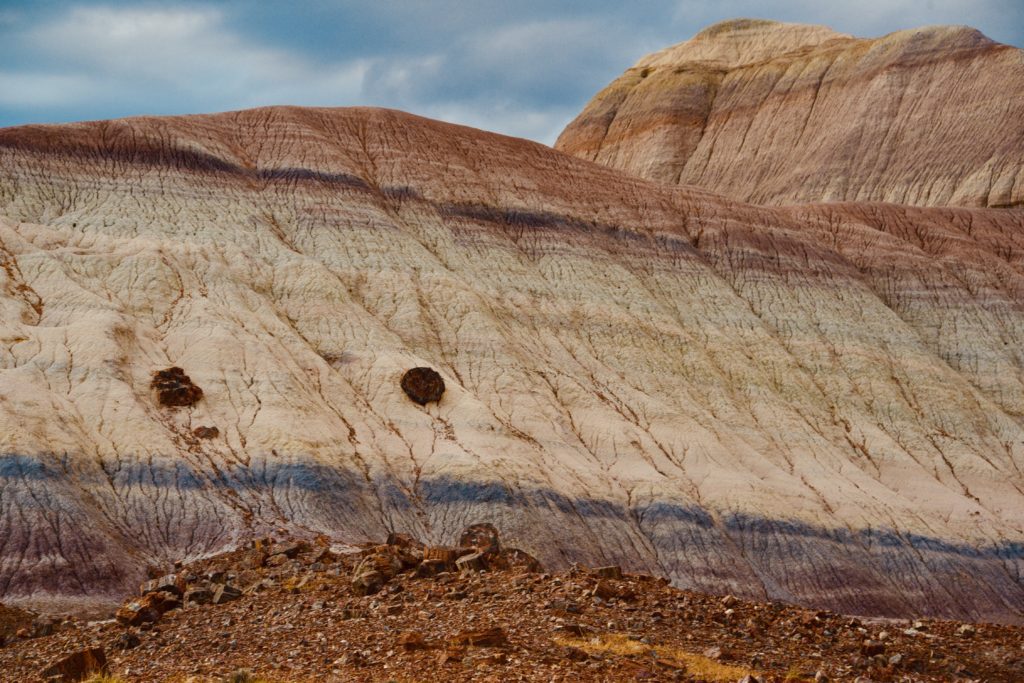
[(778, 113)]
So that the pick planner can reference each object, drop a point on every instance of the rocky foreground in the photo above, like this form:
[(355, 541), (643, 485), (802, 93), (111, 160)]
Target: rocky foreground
[(402, 611)]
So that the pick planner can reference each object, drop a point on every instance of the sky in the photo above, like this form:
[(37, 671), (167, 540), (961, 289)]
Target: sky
[(523, 68)]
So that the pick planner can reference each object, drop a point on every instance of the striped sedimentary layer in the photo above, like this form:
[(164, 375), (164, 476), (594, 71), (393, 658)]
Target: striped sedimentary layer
[(779, 113), (819, 403)]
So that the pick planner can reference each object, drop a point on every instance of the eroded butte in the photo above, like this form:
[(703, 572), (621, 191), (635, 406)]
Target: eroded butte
[(782, 113), (819, 403)]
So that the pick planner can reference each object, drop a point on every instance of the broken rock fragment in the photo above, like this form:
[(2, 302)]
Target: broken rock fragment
[(488, 637), (76, 666), (380, 565), (225, 593), (147, 609), (168, 584), (483, 537), (516, 560), (430, 568), (474, 562), (199, 596), (412, 640), (440, 554)]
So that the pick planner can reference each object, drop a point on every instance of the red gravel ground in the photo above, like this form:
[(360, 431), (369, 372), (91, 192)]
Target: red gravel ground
[(299, 619)]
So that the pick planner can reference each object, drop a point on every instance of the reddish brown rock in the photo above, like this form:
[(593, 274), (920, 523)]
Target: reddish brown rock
[(429, 568), (442, 554), (13, 621), (368, 582), (482, 537), (174, 388), (412, 640), (423, 385), (289, 550), (127, 640), (225, 593), (604, 590), (198, 596), (136, 614), (170, 583), (450, 656), (77, 666), (516, 560), (488, 637), (474, 562), (404, 541), (148, 608)]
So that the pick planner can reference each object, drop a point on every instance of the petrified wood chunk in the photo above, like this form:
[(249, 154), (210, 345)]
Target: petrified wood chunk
[(441, 554), (423, 385), (474, 562), (483, 537), (488, 637), (175, 388), (515, 559)]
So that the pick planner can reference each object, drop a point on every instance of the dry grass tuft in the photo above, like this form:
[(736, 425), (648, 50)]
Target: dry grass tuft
[(694, 664), (240, 676), (292, 584)]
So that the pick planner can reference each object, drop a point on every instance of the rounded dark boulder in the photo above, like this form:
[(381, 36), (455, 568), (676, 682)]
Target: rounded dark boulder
[(423, 385), (206, 432)]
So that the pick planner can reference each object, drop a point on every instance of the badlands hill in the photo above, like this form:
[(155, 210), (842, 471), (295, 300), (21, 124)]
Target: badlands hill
[(821, 404), (781, 113)]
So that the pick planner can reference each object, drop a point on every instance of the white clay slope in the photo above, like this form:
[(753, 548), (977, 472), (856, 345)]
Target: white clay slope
[(820, 404)]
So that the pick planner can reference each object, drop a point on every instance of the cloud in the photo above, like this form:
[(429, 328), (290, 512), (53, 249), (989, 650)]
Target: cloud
[(164, 59), (526, 79), (28, 89)]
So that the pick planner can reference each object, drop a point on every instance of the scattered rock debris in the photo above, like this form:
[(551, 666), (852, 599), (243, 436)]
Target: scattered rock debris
[(423, 385), (293, 610), (174, 388), (18, 623)]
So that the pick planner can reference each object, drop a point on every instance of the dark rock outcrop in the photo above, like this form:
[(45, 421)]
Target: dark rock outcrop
[(423, 385), (174, 388), (206, 432)]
